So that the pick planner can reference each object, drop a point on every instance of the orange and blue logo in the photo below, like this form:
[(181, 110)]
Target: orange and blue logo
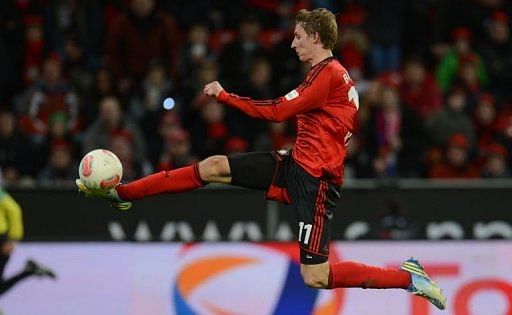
[(221, 279)]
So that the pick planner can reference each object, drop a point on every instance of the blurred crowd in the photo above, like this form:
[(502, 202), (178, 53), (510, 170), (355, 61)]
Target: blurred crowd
[(434, 78)]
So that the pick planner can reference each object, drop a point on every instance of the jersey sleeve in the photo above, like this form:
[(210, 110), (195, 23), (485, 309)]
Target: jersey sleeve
[(311, 94), (12, 213)]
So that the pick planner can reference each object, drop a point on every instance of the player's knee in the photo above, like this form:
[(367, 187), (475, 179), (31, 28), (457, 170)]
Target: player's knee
[(214, 167), (314, 279)]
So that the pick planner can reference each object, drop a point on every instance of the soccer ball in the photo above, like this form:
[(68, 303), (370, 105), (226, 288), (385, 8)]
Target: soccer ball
[(100, 170)]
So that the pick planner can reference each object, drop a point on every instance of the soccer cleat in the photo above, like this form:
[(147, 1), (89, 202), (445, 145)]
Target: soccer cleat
[(422, 285), (110, 195), (35, 268)]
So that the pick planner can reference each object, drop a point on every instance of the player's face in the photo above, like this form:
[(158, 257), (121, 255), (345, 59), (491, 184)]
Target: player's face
[(302, 44)]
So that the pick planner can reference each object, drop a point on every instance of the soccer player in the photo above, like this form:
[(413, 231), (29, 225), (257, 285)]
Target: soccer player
[(309, 176), (11, 230)]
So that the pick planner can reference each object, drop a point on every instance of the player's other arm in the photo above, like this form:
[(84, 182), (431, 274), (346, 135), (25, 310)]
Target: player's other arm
[(306, 97)]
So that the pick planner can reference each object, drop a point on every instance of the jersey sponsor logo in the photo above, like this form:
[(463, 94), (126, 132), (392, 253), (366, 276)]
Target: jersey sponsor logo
[(291, 95)]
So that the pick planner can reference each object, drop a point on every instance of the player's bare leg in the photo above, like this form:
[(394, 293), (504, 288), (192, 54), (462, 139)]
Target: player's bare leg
[(315, 276), (214, 169)]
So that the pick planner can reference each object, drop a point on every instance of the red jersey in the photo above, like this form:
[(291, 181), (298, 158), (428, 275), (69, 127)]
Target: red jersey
[(325, 106)]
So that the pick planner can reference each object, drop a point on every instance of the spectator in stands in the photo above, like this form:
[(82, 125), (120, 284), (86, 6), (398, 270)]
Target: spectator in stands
[(236, 58), (72, 22), (34, 44), (286, 68), (79, 74), (353, 46), (385, 25), (451, 119), (461, 50), (277, 13), (49, 95), (138, 37), (503, 127), (12, 44), (194, 53), (147, 105), (484, 117), (469, 13), (497, 54), (260, 79), (57, 133), (168, 124), (394, 136), (418, 27), (457, 163), (369, 100), (3, 74), (110, 122), (358, 154), (227, 14), (259, 87), (281, 135), (61, 169), (15, 153), (177, 151), (122, 143), (496, 163), (418, 89), (111, 9), (236, 145), (467, 78), (351, 170), (193, 96), (188, 13), (57, 126), (103, 86), (210, 133)]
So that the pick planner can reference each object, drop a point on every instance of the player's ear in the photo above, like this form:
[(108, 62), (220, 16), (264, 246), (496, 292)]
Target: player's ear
[(316, 38)]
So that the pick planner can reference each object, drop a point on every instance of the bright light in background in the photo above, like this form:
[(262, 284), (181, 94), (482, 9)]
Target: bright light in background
[(169, 103)]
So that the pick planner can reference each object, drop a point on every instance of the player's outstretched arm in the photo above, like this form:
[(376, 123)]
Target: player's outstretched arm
[(309, 95)]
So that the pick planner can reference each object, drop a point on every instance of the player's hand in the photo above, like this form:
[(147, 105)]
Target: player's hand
[(213, 89), (8, 247)]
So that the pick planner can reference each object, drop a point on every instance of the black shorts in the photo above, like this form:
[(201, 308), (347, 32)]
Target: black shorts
[(313, 199)]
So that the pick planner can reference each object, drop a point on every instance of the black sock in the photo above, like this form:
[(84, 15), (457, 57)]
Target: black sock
[(5, 285)]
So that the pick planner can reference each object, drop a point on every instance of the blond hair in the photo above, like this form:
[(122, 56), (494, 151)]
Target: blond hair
[(321, 21)]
